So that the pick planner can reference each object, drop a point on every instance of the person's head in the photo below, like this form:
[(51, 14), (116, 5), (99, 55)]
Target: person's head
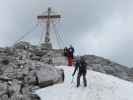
[(82, 58), (66, 47)]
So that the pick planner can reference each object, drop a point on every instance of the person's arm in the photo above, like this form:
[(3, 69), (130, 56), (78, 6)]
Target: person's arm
[(73, 50), (76, 67)]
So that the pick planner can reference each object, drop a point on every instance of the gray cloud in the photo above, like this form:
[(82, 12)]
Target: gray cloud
[(101, 27)]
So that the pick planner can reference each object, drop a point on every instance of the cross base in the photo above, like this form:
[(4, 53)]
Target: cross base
[(46, 46)]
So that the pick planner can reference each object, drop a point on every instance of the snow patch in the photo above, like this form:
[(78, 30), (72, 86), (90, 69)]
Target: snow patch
[(100, 87)]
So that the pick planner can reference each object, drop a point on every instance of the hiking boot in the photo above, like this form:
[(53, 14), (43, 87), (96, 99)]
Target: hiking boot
[(77, 85), (85, 85)]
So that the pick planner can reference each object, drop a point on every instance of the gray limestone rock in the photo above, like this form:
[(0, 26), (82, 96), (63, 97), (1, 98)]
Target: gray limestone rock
[(48, 75), (106, 66), (24, 68)]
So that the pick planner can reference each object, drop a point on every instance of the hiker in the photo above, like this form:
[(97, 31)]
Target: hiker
[(65, 51), (81, 66), (69, 57), (71, 49)]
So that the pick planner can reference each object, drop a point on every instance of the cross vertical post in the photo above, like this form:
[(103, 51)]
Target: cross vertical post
[(49, 17), (47, 37)]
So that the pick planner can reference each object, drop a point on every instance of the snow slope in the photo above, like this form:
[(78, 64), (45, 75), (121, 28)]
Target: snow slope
[(100, 87)]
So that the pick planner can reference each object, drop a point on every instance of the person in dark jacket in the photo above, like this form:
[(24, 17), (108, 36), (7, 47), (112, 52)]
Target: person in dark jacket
[(81, 66), (65, 51), (71, 49)]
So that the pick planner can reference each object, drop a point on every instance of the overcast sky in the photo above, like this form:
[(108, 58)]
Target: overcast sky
[(100, 27)]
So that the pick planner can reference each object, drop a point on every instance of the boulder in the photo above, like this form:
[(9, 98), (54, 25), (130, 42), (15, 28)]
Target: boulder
[(48, 75), (22, 45)]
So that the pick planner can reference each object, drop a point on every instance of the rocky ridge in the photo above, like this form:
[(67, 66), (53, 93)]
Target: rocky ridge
[(106, 66), (25, 68)]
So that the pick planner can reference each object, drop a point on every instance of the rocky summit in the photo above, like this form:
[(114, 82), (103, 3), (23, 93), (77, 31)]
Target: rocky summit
[(25, 68)]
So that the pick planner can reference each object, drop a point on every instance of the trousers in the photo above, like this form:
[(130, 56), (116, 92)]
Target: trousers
[(81, 73)]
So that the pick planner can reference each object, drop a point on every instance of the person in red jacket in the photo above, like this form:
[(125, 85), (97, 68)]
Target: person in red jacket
[(69, 57), (71, 49)]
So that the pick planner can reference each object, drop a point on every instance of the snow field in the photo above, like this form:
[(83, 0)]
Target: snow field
[(100, 87)]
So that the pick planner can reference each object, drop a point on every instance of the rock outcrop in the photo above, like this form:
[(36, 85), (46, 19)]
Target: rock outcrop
[(106, 66), (25, 68)]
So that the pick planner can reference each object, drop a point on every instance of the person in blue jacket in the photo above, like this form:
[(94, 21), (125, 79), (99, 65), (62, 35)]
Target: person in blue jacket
[(72, 50)]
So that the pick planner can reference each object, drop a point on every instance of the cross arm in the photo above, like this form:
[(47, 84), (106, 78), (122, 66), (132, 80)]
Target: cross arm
[(46, 17)]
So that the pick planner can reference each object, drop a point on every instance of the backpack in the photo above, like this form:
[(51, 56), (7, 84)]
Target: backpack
[(83, 65), (71, 49)]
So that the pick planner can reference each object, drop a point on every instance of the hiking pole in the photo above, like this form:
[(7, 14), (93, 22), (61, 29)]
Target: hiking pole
[(72, 79), (72, 82)]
